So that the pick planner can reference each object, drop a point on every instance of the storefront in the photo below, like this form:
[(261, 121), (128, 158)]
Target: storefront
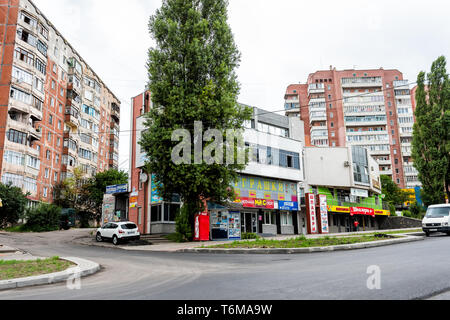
[(342, 219)]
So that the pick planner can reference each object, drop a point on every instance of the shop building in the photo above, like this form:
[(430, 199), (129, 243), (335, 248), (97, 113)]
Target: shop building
[(348, 180), (267, 197)]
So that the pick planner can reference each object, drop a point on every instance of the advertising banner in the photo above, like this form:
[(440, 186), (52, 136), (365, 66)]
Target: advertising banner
[(311, 213), (362, 211), (156, 199), (287, 206), (234, 226), (257, 203), (262, 188), (324, 225)]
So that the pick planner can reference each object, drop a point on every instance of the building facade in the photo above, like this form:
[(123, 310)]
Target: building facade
[(349, 178), (56, 114), (368, 108)]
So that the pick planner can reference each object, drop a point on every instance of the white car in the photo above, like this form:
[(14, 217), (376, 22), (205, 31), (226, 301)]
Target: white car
[(437, 219), (118, 231)]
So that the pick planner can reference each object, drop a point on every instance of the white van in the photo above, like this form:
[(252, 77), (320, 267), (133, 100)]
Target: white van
[(437, 219)]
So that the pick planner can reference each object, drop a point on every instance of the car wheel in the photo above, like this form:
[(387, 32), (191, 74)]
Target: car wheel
[(99, 237), (115, 240)]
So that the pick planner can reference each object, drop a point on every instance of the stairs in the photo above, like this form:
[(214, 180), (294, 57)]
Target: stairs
[(155, 238)]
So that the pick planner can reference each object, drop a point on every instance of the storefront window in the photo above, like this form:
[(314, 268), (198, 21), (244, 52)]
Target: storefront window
[(286, 219), (165, 212)]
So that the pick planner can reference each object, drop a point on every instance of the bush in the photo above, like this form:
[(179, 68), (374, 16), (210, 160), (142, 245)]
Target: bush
[(407, 214), (183, 224), (13, 207), (45, 217), (176, 237), (249, 236)]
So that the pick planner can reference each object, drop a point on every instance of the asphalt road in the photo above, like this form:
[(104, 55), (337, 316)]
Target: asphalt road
[(414, 270)]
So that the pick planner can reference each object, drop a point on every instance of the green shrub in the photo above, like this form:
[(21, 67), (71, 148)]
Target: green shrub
[(13, 205), (44, 217), (249, 236), (183, 224), (407, 213)]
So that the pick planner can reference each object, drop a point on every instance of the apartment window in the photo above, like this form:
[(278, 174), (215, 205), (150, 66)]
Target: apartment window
[(332, 124), (48, 155), (55, 177), (57, 159), (45, 192), (22, 76), (53, 85), (47, 173), (41, 47), (27, 37), (15, 158), (43, 31), (49, 136), (41, 66), (58, 142), (55, 70), (60, 108), (17, 136), (20, 95), (24, 56), (28, 19), (38, 84), (59, 124), (50, 119)]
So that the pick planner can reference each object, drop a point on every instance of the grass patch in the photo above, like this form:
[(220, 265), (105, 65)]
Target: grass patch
[(13, 269), (300, 242)]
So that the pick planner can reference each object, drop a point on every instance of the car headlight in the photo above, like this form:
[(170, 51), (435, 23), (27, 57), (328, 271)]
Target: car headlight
[(445, 224)]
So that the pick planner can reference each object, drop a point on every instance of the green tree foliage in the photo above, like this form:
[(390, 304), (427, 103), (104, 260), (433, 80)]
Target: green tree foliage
[(192, 78), (44, 217), (394, 195), (431, 140), (86, 195), (14, 204)]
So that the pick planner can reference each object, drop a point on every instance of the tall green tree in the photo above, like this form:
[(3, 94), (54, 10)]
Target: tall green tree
[(393, 194), (13, 205), (431, 140), (192, 78)]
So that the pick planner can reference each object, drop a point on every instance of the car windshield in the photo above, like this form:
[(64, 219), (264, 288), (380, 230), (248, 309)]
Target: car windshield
[(129, 226), (438, 212)]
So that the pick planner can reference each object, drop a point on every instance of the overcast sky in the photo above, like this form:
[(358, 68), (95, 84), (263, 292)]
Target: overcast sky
[(281, 42)]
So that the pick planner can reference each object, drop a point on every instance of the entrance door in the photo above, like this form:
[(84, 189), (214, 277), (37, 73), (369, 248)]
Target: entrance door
[(254, 224)]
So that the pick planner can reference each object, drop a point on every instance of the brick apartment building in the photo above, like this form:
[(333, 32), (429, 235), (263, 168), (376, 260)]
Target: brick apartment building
[(369, 108), (56, 114)]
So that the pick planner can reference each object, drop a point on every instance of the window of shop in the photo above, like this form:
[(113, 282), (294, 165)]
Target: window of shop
[(286, 219), (165, 212), (270, 218)]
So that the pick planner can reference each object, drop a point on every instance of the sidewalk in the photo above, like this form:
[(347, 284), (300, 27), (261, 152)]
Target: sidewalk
[(180, 247)]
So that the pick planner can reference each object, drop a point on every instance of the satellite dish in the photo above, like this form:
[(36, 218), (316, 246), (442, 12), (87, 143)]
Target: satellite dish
[(143, 177)]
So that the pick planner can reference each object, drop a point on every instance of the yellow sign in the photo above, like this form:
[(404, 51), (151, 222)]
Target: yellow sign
[(382, 213), (338, 209)]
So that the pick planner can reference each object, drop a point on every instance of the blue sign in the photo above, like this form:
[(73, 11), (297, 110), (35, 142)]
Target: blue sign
[(121, 188), (287, 206)]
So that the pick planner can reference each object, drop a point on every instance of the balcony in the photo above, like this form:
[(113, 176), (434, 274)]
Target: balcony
[(366, 82), (115, 112), (401, 84), (72, 117), (316, 88), (318, 117)]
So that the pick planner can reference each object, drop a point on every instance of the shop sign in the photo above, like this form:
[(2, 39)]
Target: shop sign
[(362, 211), (359, 193), (121, 188), (382, 213), (311, 213), (257, 203), (287, 206), (324, 225), (261, 188), (338, 209)]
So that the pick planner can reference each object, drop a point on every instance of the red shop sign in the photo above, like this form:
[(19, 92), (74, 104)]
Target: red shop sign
[(257, 203), (362, 211)]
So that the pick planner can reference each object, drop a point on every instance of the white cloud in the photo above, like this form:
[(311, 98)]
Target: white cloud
[(281, 41)]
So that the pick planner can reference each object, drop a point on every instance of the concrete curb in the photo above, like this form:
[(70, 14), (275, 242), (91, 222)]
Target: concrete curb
[(355, 246), (84, 268), (5, 249)]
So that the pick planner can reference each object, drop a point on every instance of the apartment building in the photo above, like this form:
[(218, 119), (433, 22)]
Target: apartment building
[(368, 108), (56, 114)]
